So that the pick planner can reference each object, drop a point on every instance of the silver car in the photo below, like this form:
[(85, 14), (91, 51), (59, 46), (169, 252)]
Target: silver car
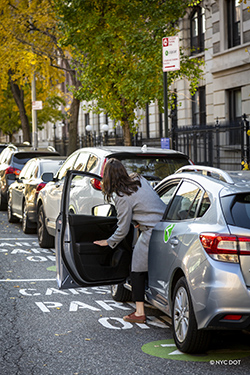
[(199, 254)]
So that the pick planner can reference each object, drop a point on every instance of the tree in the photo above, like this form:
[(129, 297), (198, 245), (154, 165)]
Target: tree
[(117, 44), (29, 45), (10, 114)]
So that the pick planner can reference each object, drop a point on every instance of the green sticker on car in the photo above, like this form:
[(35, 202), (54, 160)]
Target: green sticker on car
[(168, 231)]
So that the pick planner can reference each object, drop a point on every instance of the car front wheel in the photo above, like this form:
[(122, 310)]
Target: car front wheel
[(27, 226), (44, 238), (11, 217), (187, 337)]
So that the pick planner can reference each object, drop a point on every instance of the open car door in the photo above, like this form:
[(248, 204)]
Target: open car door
[(84, 218)]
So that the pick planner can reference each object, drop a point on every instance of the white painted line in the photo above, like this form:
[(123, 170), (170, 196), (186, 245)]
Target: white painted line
[(19, 239), (23, 280)]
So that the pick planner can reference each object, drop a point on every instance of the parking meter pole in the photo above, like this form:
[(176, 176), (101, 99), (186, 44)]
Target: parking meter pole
[(165, 87)]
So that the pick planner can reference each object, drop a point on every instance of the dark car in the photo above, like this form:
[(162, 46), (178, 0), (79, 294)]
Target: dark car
[(153, 163), (22, 194), (12, 161)]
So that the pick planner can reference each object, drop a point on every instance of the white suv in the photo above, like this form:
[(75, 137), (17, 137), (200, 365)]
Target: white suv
[(153, 163)]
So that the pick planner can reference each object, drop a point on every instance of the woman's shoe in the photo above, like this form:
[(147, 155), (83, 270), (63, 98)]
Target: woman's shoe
[(132, 318)]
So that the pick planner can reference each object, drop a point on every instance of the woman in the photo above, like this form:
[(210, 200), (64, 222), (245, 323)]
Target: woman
[(135, 200)]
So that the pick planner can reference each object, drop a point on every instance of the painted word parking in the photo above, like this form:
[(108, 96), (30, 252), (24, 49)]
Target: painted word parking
[(30, 249), (49, 299)]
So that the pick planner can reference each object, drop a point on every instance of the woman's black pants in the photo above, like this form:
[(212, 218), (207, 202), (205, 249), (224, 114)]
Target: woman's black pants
[(138, 281)]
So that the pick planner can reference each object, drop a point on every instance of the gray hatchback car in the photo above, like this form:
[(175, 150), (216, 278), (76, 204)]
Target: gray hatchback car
[(199, 253)]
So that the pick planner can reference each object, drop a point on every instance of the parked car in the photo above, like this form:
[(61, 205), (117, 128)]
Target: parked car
[(23, 193), (3, 146), (152, 163), (12, 160), (199, 254)]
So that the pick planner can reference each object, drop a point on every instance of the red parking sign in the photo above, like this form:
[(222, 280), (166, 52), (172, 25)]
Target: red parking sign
[(170, 53)]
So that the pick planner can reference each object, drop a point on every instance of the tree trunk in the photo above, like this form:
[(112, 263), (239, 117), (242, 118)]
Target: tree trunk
[(19, 99), (73, 130), (127, 134)]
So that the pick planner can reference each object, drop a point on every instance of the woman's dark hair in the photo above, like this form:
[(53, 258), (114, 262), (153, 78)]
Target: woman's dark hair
[(117, 180)]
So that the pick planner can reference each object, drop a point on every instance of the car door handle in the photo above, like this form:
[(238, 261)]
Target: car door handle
[(174, 241)]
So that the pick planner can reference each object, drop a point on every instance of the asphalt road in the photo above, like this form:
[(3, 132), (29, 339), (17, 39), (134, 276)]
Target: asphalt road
[(81, 331)]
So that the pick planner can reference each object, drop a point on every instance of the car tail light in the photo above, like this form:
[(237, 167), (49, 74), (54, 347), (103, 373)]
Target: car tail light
[(97, 184), (40, 187), (11, 170), (225, 248), (232, 317)]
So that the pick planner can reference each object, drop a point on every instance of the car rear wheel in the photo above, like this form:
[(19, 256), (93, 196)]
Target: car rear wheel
[(187, 337), (11, 217), (2, 203), (44, 238), (120, 294), (27, 226)]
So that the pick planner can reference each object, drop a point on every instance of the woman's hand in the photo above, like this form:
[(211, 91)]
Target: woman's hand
[(101, 243)]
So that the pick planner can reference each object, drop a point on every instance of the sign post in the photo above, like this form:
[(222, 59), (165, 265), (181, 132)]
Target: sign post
[(170, 62)]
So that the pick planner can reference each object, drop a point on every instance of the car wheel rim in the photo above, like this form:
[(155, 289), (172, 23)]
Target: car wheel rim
[(114, 289), (181, 314), (9, 209), (24, 218), (40, 225)]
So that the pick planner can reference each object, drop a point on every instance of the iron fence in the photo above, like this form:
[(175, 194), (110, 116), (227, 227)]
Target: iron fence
[(219, 145)]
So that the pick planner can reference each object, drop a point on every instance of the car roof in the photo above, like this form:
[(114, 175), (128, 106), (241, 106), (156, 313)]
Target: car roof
[(28, 148), (109, 150), (48, 158), (232, 181)]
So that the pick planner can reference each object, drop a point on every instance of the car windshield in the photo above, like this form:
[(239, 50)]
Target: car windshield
[(21, 158), (237, 209), (153, 168), (51, 166)]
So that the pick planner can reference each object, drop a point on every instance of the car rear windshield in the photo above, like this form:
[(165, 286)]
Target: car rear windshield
[(153, 167), (236, 209), (21, 158)]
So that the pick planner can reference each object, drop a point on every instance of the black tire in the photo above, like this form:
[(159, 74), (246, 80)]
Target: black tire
[(11, 217), (27, 226), (44, 238), (120, 294), (3, 205), (187, 337)]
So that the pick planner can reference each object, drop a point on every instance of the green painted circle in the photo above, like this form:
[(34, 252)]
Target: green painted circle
[(167, 349)]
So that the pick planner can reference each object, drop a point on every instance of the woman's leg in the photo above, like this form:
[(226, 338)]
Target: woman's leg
[(138, 280)]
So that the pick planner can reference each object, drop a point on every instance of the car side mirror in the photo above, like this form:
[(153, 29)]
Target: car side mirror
[(104, 210), (47, 176)]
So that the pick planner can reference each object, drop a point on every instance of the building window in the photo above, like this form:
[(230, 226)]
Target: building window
[(235, 112), (233, 23), (197, 27), (199, 107), (86, 119)]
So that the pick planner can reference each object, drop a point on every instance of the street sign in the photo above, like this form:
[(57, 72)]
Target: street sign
[(170, 54), (38, 104), (165, 143)]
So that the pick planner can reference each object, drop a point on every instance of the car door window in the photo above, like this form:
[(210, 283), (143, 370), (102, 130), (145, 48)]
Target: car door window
[(81, 161), (205, 204), (184, 204), (66, 166), (167, 193), (92, 164), (27, 170)]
